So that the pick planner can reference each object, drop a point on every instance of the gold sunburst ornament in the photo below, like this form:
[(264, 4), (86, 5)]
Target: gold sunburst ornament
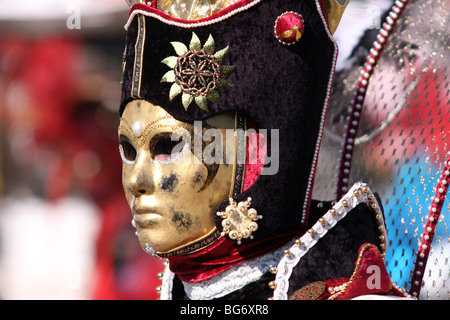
[(197, 72), (239, 220)]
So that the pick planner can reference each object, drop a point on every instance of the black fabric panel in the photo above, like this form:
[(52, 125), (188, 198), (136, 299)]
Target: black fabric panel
[(279, 87)]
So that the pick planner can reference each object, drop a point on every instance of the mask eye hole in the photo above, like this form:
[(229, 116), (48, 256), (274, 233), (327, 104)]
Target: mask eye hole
[(127, 152), (164, 149)]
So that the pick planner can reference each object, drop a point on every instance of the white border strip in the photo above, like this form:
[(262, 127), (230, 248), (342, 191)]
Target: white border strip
[(359, 193), (167, 283), (193, 24)]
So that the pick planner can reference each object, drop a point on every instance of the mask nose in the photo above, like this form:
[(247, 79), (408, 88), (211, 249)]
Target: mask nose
[(141, 179)]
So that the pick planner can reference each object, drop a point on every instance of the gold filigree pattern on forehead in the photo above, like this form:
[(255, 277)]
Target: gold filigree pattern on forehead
[(140, 140)]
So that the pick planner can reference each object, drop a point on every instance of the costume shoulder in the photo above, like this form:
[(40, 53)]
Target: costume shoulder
[(341, 254)]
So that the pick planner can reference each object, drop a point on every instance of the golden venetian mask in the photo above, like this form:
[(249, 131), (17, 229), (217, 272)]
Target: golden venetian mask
[(172, 188)]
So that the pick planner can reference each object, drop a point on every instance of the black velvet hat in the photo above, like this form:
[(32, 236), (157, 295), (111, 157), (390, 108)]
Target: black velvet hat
[(270, 60)]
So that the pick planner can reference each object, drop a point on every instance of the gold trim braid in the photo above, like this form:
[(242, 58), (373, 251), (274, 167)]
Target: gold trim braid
[(138, 58), (192, 246)]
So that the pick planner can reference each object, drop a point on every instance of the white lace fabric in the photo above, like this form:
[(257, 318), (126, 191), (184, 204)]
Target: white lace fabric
[(233, 279), (227, 282)]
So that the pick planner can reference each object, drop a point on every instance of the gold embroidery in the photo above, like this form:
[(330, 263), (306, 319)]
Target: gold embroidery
[(192, 246), (288, 33), (311, 291), (197, 73)]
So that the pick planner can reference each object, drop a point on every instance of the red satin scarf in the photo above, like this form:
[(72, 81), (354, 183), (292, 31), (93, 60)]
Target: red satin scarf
[(222, 255)]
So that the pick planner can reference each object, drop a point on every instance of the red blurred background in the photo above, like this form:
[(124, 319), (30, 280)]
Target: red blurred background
[(65, 229)]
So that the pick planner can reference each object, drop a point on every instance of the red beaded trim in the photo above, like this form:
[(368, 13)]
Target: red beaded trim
[(360, 93), (430, 229)]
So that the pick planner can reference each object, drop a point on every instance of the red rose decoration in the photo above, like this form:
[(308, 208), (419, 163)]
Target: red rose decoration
[(289, 28)]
